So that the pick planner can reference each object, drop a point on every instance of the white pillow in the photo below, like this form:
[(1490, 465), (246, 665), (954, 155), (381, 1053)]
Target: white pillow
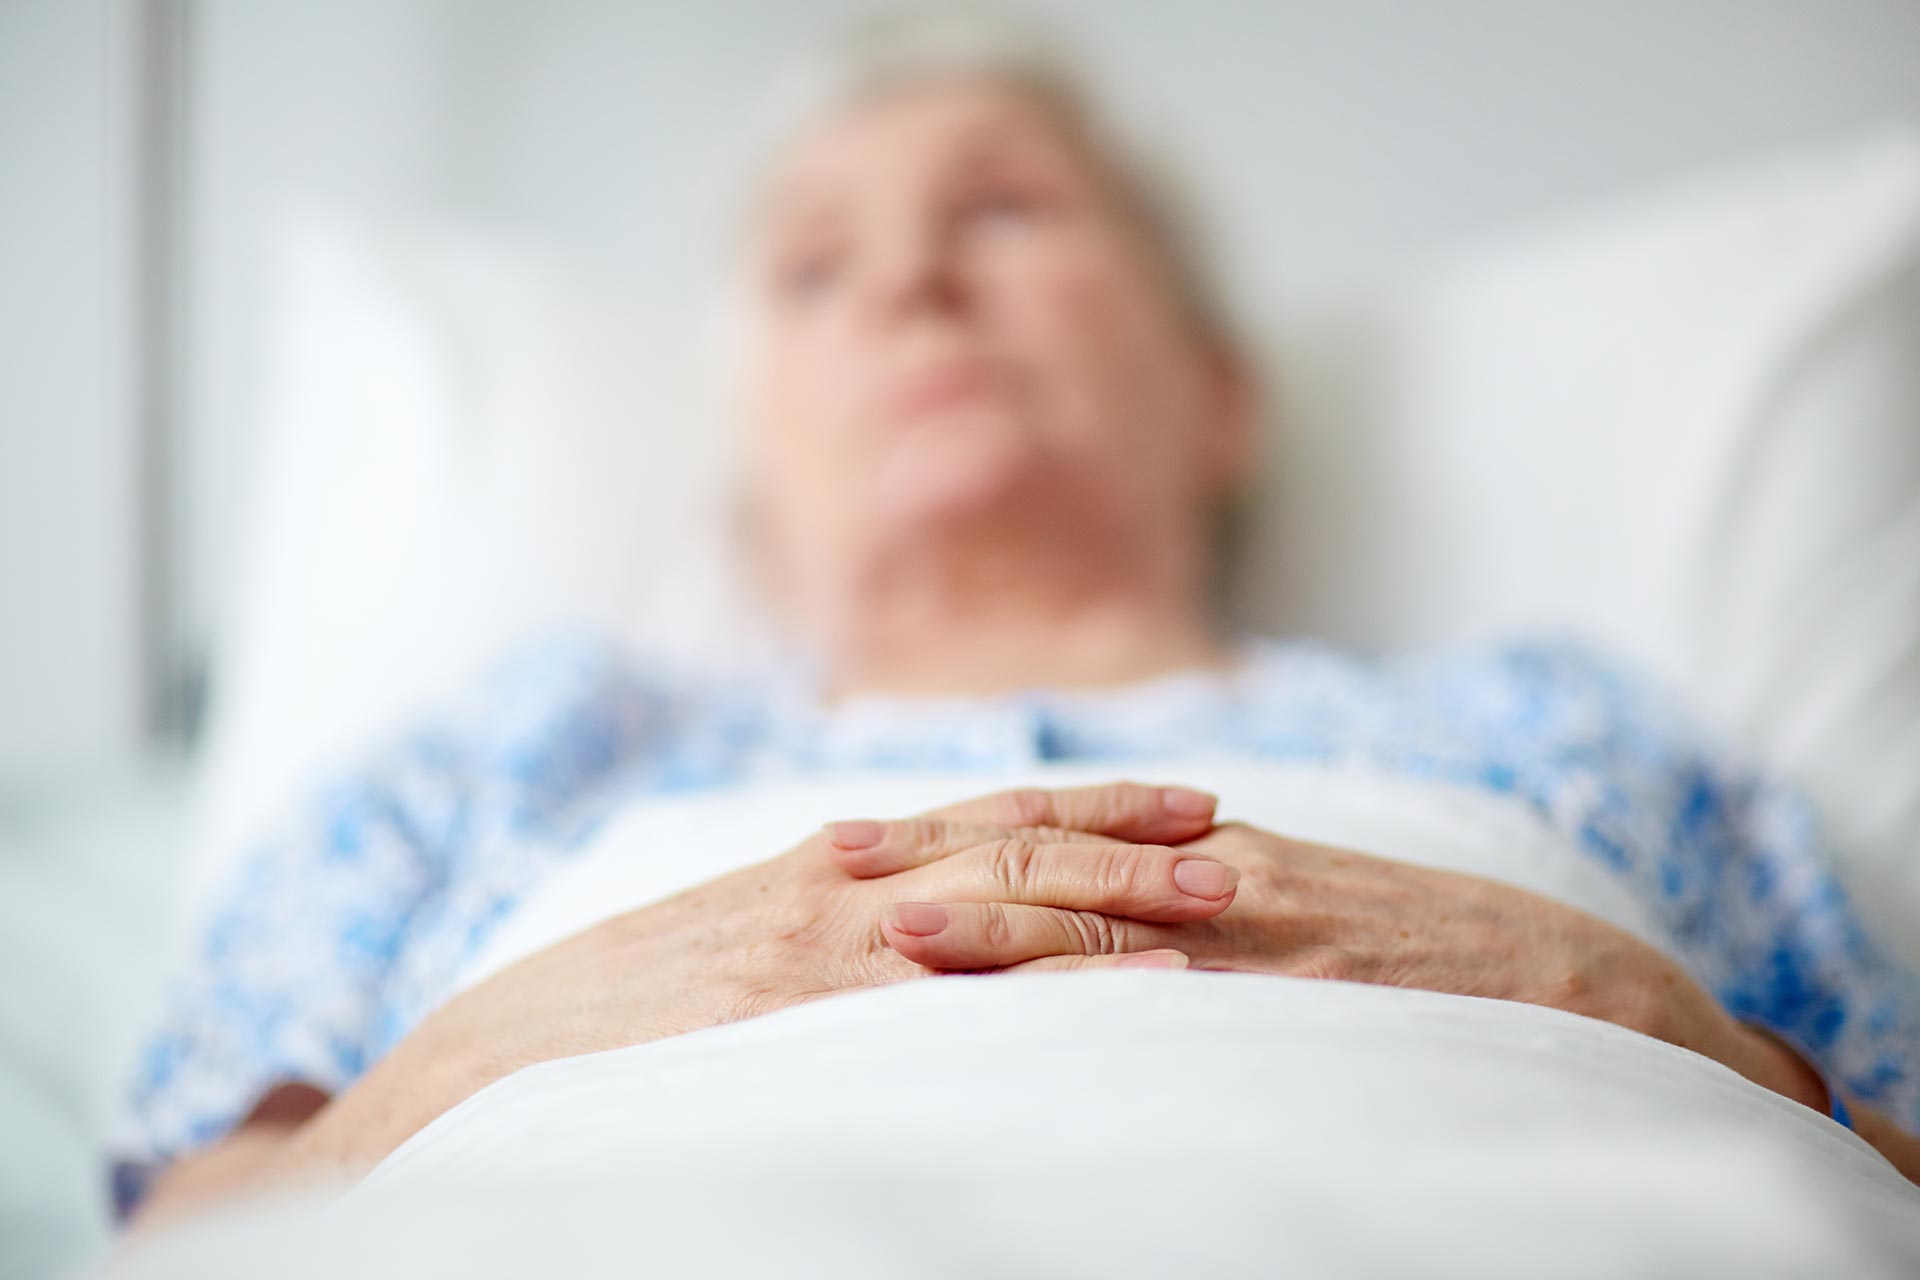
[(1689, 426), (454, 451), (1686, 425)]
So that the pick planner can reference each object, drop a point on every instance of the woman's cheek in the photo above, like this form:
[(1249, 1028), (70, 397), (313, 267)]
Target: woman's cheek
[(1077, 294), (794, 414), (1062, 313), (802, 394)]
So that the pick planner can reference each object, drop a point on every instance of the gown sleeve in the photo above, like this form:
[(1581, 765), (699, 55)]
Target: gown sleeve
[(286, 978)]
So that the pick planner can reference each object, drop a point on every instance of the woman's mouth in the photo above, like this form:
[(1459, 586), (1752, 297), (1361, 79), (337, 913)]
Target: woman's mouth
[(938, 389)]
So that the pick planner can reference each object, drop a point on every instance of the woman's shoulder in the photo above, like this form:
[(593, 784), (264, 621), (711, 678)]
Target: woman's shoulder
[(1544, 656), (1536, 678), (555, 716), (1535, 664), (576, 681)]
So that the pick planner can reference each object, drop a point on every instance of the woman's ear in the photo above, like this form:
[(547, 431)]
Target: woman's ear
[(1234, 408)]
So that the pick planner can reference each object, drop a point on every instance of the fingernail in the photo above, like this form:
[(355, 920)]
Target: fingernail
[(1204, 878), (920, 919), (861, 833), (1182, 802), (1153, 960)]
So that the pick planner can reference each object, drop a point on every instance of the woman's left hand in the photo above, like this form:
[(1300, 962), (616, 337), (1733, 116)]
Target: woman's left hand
[(1314, 911), (1311, 910)]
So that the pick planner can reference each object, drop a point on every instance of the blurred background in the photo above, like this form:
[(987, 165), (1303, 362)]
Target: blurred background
[(234, 233)]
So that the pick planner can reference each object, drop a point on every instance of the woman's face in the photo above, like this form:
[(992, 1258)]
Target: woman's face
[(965, 334)]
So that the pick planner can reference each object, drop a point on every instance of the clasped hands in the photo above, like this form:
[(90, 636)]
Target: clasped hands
[(1032, 880), (1129, 875), (1024, 881), (1124, 874)]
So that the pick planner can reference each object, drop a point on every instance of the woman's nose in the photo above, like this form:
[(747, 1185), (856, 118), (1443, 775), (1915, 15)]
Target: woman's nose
[(916, 273)]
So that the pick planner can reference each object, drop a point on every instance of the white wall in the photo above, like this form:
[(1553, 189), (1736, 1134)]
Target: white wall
[(340, 103), (70, 684), (1341, 138)]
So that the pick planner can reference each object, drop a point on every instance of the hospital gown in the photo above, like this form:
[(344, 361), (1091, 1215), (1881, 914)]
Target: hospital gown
[(348, 923)]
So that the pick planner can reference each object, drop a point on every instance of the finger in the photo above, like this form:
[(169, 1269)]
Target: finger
[(1123, 810), (1139, 881), (1162, 958), (987, 935), (866, 849)]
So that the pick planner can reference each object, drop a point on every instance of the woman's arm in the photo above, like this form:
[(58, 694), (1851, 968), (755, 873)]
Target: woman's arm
[(1901, 1148), (1766, 1061), (1309, 910), (250, 1156), (285, 984), (1736, 866), (788, 930), (292, 971)]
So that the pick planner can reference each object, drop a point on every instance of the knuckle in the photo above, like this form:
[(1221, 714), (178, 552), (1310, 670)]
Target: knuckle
[(996, 928), (1093, 934), (794, 925), (836, 928), (1030, 806), (1237, 843), (916, 833), (1120, 872), (1010, 863), (851, 946), (1112, 804)]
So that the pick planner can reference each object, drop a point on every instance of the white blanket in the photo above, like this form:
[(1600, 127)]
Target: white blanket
[(1122, 1123)]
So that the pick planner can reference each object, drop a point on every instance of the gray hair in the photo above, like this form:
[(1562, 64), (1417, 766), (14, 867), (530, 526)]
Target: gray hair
[(903, 48)]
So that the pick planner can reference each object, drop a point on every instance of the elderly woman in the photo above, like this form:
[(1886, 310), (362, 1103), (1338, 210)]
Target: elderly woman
[(995, 417)]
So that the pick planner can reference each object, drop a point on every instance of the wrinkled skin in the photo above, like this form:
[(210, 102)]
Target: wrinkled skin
[(1311, 910), (791, 929)]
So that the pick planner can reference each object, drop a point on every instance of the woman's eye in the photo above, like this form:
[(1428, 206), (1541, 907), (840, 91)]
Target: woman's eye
[(807, 275), (1001, 206)]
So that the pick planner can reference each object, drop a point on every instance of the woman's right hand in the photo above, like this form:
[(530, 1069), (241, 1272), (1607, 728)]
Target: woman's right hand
[(788, 930)]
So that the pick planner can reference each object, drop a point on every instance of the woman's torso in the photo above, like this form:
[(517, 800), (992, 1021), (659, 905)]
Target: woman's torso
[(578, 782), (1527, 763)]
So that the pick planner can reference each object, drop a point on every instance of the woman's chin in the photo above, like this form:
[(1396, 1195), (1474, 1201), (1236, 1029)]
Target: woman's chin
[(954, 477)]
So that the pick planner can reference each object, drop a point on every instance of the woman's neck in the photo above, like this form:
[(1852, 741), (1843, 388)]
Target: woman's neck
[(999, 638)]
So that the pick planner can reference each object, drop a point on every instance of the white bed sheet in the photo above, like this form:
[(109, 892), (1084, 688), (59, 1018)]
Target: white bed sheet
[(1119, 1123)]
